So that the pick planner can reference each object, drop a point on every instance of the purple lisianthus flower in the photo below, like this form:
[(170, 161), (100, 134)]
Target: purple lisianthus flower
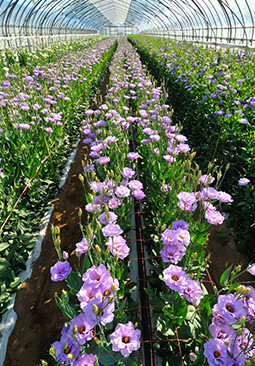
[(132, 155), (108, 218), (92, 207), (251, 269), (248, 302), (84, 329), (127, 172), (103, 160), (193, 292), (224, 197), (214, 217), (22, 126), (125, 339), (210, 193), (60, 271), (87, 359), (138, 194), (223, 332), (114, 203), (168, 236), (243, 181), (230, 308), (205, 179), (187, 201), (95, 276), (64, 347), (179, 224), (172, 253), (216, 353), (104, 315), (112, 230), (122, 191), (48, 129), (81, 247), (245, 342), (175, 278), (184, 148), (118, 246), (135, 185)]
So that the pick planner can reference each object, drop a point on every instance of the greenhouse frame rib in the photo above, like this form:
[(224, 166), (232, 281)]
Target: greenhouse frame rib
[(28, 22)]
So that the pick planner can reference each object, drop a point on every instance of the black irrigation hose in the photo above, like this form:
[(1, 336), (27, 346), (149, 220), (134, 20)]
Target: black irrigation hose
[(144, 300)]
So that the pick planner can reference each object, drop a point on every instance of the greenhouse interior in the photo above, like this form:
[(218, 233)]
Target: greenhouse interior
[(127, 175)]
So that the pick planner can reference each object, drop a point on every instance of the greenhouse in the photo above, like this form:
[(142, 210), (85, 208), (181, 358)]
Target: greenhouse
[(127, 175)]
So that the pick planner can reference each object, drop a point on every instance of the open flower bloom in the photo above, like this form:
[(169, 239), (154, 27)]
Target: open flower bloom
[(60, 271), (125, 339)]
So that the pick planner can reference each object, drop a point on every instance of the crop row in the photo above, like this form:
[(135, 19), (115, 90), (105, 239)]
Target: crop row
[(212, 94), (41, 101), (190, 326)]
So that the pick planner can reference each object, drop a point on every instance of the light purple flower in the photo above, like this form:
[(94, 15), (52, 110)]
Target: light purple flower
[(127, 172), (216, 353), (48, 129), (179, 224), (64, 347), (84, 329), (230, 308), (135, 184), (172, 253), (193, 292), (243, 181), (81, 247), (210, 193), (214, 217), (95, 276), (122, 191), (138, 194), (114, 203), (251, 269), (112, 230), (22, 126), (175, 278), (87, 359), (118, 246), (205, 179), (108, 218), (60, 271), (224, 197), (103, 160), (132, 155), (125, 339), (187, 201), (223, 332)]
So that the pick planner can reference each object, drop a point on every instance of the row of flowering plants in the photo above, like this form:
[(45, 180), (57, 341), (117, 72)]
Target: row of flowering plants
[(40, 119), (190, 325), (212, 93)]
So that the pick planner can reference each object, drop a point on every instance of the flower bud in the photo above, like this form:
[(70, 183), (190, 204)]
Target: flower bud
[(98, 342), (106, 209), (75, 329), (238, 268), (114, 288), (64, 292), (107, 252), (227, 343), (239, 331), (240, 289), (70, 356), (44, 363), (81, 177), (242, 320), (246, 291), (57, 230), (99, 226), (52, 351), (58, 241), (96, 362), (163, 227), (192, 356), (95, 309), (65, 255), (98, 249), (227, 166), (79, 212)]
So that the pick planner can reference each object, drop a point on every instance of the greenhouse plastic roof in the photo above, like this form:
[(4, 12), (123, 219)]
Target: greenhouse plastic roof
[(207, 20)]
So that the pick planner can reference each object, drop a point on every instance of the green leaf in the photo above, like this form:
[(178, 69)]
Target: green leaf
[(3, 246), (4, 265), (225, 276)]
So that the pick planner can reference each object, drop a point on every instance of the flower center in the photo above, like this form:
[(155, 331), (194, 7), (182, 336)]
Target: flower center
[(61, 272), (230, 308), (175, 278), (82, 330), (125, 339), (106, 293), (97, 278), (67, 350), (90, 295), (217, 354)]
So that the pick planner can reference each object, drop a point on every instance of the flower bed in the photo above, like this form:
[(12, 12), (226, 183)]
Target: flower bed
[(180, 206), (211, 92), (40, 121)]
